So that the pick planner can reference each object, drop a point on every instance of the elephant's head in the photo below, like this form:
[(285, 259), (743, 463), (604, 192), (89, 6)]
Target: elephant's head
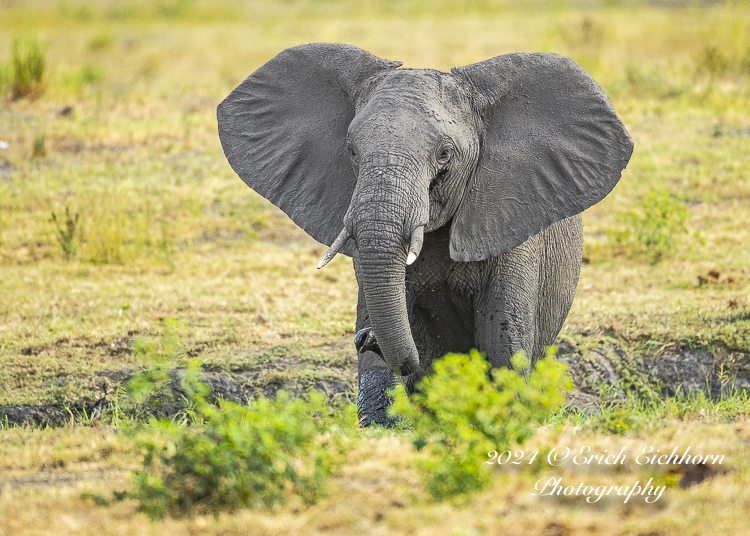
[(367, 157)]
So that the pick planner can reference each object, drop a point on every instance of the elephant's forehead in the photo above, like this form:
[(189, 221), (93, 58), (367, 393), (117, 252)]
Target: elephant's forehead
[(416, 97), (422, 89)]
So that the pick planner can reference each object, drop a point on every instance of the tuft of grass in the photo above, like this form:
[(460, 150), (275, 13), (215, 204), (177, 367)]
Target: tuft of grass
[(638, 416), (463, 411), (101, 41), (39, 146), (67, 231), (28, 62), (712, 61), (87, 75), (651, 228)]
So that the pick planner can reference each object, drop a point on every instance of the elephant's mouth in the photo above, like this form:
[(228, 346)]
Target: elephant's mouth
[(365, 341)]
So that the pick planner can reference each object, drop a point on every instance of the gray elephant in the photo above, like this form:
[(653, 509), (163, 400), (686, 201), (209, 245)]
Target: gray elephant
[(458, 194)]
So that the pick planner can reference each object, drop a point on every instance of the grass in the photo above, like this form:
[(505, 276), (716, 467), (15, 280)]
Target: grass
[(164, 229), (28, 69), (380, 490)]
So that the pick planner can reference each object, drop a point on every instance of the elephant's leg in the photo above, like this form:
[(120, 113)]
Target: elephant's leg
[(505, 319), (528, 293), (375, 378), (562, 251)]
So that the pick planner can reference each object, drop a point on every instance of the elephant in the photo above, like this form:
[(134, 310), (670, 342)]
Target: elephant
[(457, 194)]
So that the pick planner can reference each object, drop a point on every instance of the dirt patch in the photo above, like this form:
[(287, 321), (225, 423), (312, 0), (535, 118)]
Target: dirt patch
[(290, 373), (37, 416), (45, 479), (610, 372), (603, 372), (116, 376), (114, 347)]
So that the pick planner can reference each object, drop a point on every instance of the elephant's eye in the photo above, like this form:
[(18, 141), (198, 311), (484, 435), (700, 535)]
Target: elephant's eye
[(444, 155), (353, 154)]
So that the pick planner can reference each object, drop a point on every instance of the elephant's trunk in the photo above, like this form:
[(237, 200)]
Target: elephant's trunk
[(382, 270), (391, 201)]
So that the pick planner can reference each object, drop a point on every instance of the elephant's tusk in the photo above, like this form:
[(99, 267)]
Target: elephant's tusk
[(341, 239), (415, 246)]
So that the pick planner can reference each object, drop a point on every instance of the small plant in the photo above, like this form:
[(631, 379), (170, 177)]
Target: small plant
[(216, 459), (39, 147), (712, 62), (239, 456), (462, 412), (28, 65), (66, 232), (651, 226), (156, 389), (87, 75), (617, 420)]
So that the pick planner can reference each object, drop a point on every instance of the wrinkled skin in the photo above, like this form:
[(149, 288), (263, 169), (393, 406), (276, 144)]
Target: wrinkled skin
[(477, 177), (516, 301), (413, 157)]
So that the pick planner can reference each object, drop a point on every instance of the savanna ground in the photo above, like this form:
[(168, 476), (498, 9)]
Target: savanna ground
[(119, 143)]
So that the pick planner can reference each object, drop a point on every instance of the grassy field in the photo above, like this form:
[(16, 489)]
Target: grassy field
[(118, 212)]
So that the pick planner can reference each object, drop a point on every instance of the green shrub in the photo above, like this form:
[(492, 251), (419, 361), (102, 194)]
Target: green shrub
[(649, 229), (238, 457), (28, 64), (231, 456), (462, 412)]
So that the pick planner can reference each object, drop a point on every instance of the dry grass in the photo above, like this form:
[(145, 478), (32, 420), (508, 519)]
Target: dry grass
[(167, 230), (379, 493)]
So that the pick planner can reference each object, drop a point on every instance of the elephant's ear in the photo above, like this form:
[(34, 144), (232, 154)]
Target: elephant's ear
[(552, 146), (284, 128)]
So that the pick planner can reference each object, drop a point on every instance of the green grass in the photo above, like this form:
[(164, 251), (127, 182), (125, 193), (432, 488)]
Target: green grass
[(164, 229)]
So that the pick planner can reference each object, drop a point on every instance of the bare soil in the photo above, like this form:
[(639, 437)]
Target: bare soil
[(602, 373)]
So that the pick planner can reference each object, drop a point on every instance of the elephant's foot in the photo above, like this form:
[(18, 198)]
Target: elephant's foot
[(372, 403), (365, 341)]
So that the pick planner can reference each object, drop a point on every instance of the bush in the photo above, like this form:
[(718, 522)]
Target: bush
[(28, 64), (462, 412), (651, 226), (238, 457), (223, 458)]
